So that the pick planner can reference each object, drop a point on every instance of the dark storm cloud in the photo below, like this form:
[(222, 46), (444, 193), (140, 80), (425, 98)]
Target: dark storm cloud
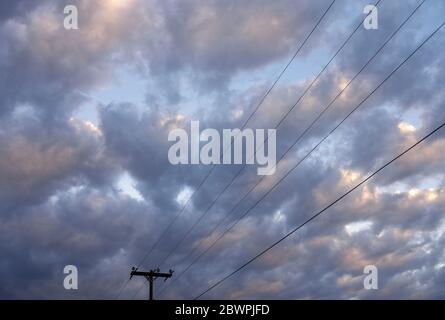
[(224, 37), (213, 41), (51, 69), (84, 228), (139, 144), (38, 160), (16, 8)]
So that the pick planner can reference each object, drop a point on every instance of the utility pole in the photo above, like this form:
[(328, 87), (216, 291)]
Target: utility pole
[(151, 276)]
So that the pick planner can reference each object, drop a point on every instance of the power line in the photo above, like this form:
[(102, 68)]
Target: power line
[(243, 126), (276, 126), (321, 212), (121, 290), (290, 61), (245, 123), (295, 166), (251, 115), (310, 126)]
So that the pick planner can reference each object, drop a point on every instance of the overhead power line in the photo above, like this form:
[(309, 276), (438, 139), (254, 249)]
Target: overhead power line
[(310, 126), (320, 212), (245, 123), (276, 127), (305, 157), (171, 223)]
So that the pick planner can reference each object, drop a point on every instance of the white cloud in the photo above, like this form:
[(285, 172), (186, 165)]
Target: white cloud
[(358, 226)]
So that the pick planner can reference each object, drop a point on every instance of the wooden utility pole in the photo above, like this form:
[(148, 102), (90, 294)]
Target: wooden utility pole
[(151, 276)]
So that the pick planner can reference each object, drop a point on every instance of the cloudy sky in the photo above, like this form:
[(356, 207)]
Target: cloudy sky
[(85, 178)]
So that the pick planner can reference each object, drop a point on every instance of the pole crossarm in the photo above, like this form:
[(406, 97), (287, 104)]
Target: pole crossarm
[(151, 276), (151, 273)]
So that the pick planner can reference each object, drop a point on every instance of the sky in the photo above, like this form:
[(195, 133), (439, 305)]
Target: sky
[(85, 178)]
